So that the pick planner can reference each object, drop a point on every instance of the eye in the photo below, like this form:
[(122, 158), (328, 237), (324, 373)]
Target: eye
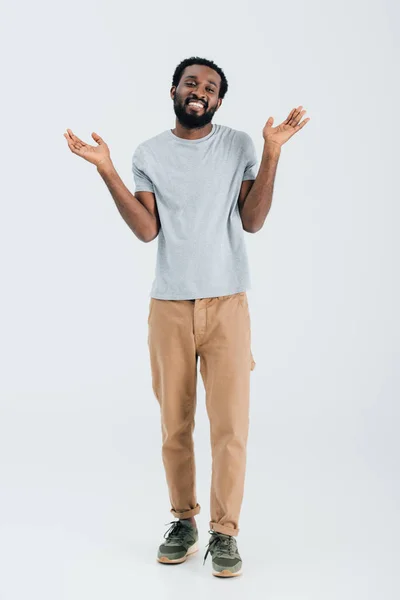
[(192, 82)]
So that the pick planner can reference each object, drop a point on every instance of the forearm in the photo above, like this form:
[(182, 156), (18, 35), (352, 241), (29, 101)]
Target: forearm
[(137, 217), (258, 200)]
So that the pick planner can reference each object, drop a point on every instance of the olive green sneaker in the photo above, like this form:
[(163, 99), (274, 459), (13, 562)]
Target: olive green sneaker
[(226, 560), (181, 541)]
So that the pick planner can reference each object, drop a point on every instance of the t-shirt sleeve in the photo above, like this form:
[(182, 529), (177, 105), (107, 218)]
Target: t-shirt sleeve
[(142, 181), (251, 164)]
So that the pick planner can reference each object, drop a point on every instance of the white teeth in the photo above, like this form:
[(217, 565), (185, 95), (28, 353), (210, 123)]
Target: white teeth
[(195, 104)]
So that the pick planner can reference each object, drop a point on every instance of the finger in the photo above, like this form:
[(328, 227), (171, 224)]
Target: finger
[(301, 115), (97, 138), (71, 134), (75, 144), (74, 138), (286, 121), (72, 146), (298, 127), (295, 116), (69, 139)]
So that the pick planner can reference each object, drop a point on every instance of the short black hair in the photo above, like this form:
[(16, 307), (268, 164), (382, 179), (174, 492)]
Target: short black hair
[(196, 60)]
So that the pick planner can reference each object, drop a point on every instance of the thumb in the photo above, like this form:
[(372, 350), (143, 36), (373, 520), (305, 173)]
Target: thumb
[(97, 138), (268, 125)]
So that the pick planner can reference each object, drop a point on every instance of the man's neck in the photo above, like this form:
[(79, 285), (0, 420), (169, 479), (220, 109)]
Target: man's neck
[(191, 134)]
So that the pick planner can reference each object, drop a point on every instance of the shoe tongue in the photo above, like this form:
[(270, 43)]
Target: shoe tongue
[(186, 523)]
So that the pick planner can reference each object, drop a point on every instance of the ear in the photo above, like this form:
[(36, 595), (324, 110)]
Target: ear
[(172, 92)]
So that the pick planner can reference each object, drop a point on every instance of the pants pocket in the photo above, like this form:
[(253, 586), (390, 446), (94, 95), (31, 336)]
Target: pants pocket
[(243, 301), (151, 304), (252, 362)]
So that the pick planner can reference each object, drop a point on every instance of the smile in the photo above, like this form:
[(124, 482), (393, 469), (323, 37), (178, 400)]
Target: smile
[(196, 105)]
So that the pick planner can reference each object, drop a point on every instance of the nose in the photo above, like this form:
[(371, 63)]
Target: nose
[(198, 95)]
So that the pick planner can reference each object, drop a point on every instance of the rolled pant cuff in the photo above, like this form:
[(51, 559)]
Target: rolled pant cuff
[(223, 529), (186, 514)]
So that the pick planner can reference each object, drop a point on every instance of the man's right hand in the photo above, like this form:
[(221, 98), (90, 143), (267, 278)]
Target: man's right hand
[(93, 154)]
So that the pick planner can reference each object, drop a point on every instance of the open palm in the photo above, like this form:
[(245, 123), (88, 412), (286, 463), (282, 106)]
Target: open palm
[(281, 133), (93, 154)]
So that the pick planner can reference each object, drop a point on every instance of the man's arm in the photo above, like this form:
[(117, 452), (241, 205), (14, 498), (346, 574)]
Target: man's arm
[(245, 188), (255, 204), (139, 214), (258, 200)]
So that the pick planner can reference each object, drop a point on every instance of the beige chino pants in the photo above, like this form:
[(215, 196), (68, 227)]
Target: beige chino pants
[(217, 330)]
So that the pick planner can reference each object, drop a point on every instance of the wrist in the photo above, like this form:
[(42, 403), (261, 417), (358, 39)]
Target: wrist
[(272, 147), (105, 164)]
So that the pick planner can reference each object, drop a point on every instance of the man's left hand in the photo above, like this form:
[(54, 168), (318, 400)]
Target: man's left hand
[(281, 133)]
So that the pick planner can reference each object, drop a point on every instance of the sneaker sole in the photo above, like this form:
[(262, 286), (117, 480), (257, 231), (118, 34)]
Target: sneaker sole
[(164, 559), (226, 573)]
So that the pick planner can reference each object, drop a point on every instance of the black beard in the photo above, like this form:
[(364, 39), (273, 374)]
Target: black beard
[(191, 120)]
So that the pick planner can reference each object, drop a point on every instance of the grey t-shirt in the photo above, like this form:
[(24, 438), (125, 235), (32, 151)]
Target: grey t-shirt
[(201, 247)]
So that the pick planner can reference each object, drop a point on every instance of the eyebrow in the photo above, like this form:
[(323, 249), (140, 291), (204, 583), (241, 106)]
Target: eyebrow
[(195, 77)]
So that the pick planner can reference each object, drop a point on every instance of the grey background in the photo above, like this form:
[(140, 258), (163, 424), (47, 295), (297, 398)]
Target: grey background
[(83, 499)]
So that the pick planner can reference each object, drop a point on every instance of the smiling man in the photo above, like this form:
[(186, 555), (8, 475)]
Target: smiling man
[(192, 112), (198, 189)]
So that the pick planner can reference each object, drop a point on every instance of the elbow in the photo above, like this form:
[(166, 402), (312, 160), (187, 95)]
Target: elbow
[(149, 236), (146, 239), (252, 228), (255, 226), (152, 230)]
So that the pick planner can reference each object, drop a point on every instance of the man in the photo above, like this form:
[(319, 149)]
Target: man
[(197, 189)]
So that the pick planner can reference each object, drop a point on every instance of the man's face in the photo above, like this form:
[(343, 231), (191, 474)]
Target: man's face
[(197, 83)]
